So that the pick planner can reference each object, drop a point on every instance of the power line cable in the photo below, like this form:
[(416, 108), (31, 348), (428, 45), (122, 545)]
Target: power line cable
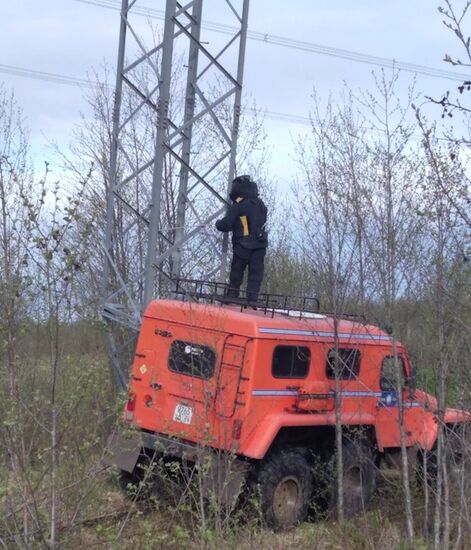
[(46, 76), (75, 81), (81, 82), (298, 44)]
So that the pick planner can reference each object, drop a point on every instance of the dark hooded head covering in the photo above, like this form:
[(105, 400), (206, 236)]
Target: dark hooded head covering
[(244, 187)]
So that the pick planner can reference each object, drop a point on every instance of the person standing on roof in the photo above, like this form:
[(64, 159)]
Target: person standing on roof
[(246, 217)]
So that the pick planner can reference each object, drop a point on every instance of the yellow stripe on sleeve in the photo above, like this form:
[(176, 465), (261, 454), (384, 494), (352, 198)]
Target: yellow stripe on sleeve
[(245, 225)]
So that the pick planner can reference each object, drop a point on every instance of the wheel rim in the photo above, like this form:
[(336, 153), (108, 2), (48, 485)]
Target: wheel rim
[(286, 500)]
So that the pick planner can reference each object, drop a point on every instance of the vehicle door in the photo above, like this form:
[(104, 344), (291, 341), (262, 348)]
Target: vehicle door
[(393, 384), (346, 369), (186, 374), (281, 369)]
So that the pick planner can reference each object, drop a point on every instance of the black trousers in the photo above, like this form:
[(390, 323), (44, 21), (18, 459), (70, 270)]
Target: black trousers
[(255, 260)]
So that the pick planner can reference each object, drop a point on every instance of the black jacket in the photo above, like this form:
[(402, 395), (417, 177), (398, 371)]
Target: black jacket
[(246, 217)]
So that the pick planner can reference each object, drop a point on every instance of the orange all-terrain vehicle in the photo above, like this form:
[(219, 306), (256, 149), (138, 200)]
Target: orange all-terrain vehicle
[(265, 385)]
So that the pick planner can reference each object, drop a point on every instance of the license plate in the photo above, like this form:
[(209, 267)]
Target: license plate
[(183, 414)]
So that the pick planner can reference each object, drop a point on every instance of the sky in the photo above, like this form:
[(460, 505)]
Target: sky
[(76, 38)]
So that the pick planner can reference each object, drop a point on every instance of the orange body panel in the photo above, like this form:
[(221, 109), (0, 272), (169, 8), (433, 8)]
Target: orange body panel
[(239, 404)]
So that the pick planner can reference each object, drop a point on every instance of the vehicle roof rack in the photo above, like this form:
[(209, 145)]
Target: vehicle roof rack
[(268, 303)]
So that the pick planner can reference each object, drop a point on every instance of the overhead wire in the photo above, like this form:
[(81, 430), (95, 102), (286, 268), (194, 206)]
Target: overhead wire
[(43, 75), (75, 81), (81, 82), (254, 35), (302, 45)]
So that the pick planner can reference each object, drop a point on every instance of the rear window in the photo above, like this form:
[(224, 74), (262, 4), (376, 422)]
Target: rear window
[(191, 359), (291, 361), (344, 361)]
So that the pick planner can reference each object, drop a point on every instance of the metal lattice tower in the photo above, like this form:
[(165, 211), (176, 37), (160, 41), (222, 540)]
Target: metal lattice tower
[(173, 155)]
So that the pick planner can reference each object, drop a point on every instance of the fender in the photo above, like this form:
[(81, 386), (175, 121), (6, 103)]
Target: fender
[(429, 434), (261, 438), (456, 416)]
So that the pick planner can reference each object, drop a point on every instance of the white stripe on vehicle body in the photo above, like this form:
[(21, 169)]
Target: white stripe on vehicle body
[(281, 393), (346, 393), (323, 334), (361, 393), (274, 393)]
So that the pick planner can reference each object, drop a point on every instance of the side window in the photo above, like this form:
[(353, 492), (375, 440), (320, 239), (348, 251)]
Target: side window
[(343, 361), (191, 359), (291, 362), (388, 381)]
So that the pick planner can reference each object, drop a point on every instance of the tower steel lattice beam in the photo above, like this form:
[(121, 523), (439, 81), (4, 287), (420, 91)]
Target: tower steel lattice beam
[(175, 123)]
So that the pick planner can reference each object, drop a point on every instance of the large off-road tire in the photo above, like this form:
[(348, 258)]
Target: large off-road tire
[(456, 456), (138, 484), (128, 483), (284, 482), (154, 478), (359, 478)]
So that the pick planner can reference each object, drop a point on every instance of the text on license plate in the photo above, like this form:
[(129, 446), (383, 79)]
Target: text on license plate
[(183, 414)]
